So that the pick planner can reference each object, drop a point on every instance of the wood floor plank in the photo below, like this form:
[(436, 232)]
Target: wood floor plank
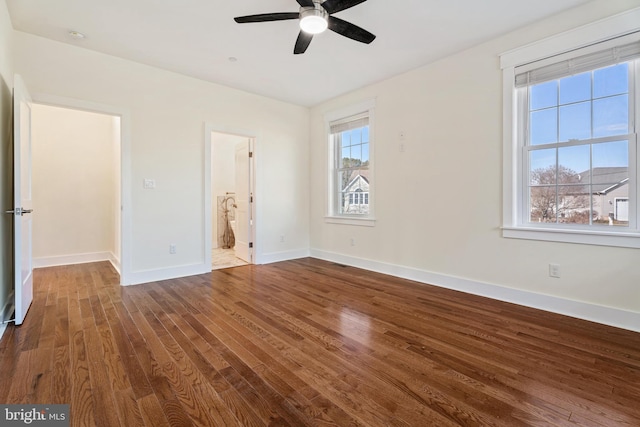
[(309, 342)]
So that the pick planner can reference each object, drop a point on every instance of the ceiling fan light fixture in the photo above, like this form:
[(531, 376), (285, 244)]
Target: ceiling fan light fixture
[(313, 20)]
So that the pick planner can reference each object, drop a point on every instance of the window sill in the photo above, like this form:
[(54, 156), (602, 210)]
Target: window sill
[(359, 221), (620, 239)]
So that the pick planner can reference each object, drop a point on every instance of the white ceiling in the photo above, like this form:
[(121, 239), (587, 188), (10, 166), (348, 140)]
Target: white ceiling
[(197, 38)]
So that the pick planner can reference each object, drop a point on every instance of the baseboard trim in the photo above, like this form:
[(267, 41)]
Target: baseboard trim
[(55, 261), (9, 306), (115, 262), (282, 256), (7, 310), (146, 276), (596, 313)]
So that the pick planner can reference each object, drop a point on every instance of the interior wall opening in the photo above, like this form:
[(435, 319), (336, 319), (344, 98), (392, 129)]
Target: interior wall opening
[(231, 200), (76, 174)]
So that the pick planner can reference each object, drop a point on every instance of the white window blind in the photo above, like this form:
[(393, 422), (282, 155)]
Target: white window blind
[(349, 123), (538, 72)]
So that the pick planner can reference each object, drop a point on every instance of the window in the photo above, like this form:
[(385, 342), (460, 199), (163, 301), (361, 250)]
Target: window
[(571, 142), (576, 145), (350, 177), (357, 199)]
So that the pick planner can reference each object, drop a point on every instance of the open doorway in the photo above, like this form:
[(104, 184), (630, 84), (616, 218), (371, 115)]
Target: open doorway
[(232, 218), (76, 172)]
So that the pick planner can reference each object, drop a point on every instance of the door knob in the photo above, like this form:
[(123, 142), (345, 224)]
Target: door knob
[(19, 211)]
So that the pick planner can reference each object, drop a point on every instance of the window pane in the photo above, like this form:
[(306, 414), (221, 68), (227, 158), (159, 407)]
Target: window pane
[(544, 126), (356, 155), (348, 137), (611, 81), (543, 95), (343, 179), (344, 158), (365, 154), (611, 183), (574, 164), (365, 134), (542, 167), (611, 154), (575, 121), (574, 204), (611, 116), (575, 88), (542, 204)]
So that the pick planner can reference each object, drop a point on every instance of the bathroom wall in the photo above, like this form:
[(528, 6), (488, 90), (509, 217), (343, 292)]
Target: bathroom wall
[(223, 172)]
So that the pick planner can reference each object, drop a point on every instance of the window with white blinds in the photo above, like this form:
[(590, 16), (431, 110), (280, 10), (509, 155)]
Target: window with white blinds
[(351, 174), (573, 148)]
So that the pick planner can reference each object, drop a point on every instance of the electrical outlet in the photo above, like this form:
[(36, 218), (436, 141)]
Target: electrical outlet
[(353, 241), (172, 248), (282, 238), (554, 270)]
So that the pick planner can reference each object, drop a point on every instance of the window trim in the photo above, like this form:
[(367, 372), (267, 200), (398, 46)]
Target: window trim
[(332, 217), (513, 226)]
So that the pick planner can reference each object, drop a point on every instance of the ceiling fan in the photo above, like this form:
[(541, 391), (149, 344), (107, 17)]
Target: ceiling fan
[(315, 17)]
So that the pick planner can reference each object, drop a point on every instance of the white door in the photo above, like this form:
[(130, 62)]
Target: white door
[(243, 248), (22, 205)]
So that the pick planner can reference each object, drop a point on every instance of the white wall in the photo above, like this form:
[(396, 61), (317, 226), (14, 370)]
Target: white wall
[(451, 114), (74, 165), (167, 115), (6, 159)]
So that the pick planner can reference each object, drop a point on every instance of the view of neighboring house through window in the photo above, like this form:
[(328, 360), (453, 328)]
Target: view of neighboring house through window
[(577, 139), (351, 184)]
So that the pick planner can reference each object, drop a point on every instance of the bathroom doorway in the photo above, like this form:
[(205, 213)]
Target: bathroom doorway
[(232, 200)]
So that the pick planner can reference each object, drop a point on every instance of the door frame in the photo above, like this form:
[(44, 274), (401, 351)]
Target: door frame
[(209, 129), (125, 168)]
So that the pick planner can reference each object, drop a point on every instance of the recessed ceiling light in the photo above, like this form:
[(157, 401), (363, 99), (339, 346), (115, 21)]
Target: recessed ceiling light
[(76, 35)]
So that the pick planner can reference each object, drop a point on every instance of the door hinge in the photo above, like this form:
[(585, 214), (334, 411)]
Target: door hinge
[(250, 244), (250, 154)]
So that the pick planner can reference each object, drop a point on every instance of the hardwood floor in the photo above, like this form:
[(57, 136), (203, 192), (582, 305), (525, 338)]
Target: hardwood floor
[(309, 342)]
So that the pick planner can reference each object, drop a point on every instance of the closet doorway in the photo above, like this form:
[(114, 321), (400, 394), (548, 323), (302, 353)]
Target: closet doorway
[(232, 219), (76, 175)]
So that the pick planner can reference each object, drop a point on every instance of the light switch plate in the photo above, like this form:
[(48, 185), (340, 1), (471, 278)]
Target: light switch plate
[(149, 184)]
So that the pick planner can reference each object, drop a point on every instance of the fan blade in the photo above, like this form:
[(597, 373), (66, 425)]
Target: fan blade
[(347, 29), (302, 43), (305, 3), (265, 17), (333, 6)]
